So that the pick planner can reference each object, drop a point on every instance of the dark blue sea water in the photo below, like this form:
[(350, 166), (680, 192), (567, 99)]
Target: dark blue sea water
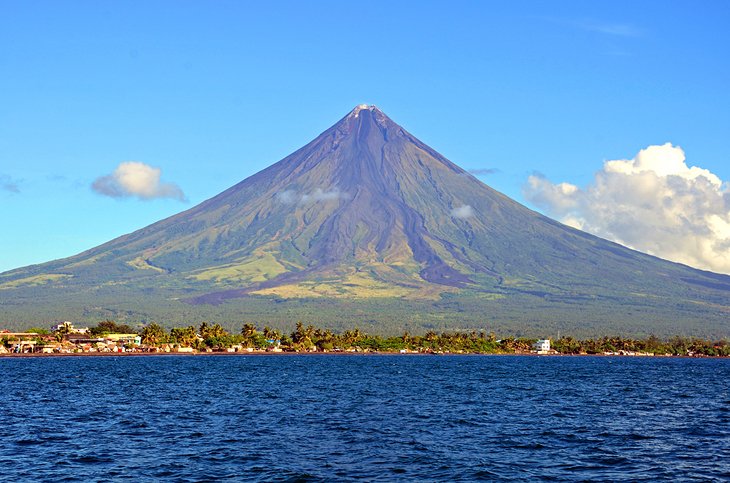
[(337, 418)]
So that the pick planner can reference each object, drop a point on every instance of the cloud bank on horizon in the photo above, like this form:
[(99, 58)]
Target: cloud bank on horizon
[(654, 203), (135, 179)]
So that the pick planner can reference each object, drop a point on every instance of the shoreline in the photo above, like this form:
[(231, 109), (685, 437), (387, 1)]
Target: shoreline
[(339, 354)]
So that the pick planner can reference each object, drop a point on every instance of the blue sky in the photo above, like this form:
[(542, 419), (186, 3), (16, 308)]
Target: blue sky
[(212, 92)]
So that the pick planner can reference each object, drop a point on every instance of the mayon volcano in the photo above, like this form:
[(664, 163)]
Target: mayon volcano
[(368, 226)]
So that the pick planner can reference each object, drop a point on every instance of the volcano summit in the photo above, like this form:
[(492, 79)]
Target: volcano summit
[(366, 225)]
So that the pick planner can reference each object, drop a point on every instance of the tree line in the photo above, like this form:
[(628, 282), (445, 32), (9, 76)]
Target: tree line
[(309, 337)]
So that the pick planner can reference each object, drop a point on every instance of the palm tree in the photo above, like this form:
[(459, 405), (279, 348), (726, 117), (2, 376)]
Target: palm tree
[(352, 337), (249, 334), (248, 331), (63, 330), (430, 336), (204, 328), (199, 345), (406, 337), (303, 335), (60, 335), (184, 337), (153, 334), (217, 331), (298, 335)]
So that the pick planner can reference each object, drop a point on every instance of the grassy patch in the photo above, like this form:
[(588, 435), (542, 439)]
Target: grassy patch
[(141, 264), (35, 280), (356, 285), (259, 268)]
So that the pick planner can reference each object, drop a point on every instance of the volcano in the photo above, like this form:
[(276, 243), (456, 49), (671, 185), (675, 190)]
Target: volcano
[(368, 225)]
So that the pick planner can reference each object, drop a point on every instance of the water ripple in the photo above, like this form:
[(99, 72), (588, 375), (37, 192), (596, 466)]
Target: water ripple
[(340, 418)]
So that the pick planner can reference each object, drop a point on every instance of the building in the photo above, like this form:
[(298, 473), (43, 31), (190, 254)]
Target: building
[(68, 328), (542, 346), (125, 339)]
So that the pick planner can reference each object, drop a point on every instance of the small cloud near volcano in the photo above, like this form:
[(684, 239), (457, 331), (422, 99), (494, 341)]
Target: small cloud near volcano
[(483, 171), (290, 197), (135, 179), (462, 212)]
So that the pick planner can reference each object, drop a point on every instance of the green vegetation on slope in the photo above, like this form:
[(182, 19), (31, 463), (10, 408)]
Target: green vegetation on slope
[(518, 314)]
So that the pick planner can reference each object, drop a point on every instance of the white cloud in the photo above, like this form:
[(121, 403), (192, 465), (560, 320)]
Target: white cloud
[(654, 203), (321, 195), (289, 197), (483, 171), (463, 212), (133, 178)]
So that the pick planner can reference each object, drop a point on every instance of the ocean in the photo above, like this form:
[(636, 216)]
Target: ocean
[(372, 417)]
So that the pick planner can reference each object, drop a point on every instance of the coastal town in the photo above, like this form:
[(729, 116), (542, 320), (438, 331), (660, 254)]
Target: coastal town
[(109, 337), (65, 338)]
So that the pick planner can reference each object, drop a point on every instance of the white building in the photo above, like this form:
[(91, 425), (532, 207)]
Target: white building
[(68, 328), (542, 345)]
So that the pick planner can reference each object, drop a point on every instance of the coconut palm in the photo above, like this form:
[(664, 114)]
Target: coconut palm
[(406, 337), (63, 330), (249, 334), (153, 334), (184, 337), (217, 331), (248, 331), (204, 329)]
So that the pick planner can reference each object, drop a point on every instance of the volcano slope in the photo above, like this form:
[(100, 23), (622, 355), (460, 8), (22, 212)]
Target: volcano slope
[(367, 226)]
